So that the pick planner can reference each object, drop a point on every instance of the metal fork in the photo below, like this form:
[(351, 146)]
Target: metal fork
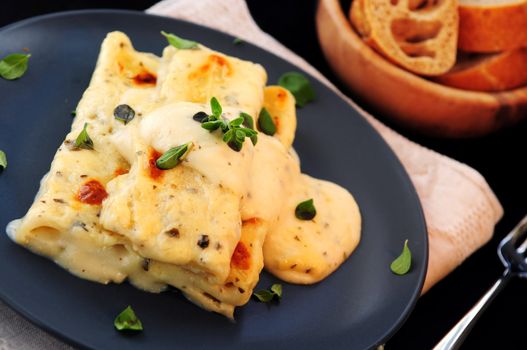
[(511, 251)]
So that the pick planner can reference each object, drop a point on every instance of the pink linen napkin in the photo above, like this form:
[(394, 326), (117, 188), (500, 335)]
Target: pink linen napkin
[(460, 208)]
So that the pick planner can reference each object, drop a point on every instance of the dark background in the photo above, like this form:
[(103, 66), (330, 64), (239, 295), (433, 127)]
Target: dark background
[(499, 157)]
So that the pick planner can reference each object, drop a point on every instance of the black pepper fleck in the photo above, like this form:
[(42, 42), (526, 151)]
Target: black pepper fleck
[(146, 264), (81, 225), (203, 242)]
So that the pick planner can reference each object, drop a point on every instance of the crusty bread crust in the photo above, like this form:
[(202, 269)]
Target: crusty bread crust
[(418, 35), (406, 98), (492, 28), (488, 72)]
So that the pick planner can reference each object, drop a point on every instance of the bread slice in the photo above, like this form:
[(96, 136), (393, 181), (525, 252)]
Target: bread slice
[(418, 35), (488, 72), (492, 25)]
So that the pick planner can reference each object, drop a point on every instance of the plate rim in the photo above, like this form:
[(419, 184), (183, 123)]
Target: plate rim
[(416, 293)]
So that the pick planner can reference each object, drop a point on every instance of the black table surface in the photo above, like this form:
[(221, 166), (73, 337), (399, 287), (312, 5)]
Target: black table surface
[(498, 157)]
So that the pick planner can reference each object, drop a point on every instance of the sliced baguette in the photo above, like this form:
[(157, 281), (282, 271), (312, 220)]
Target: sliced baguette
[(492, 25), (488, 72), (418, 35)]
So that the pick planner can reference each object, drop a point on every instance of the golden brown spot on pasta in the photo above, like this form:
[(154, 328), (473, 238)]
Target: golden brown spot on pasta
[(241, 257), (173, 232), (154, 172), (251, 221), (214, 62), (118, 171), (145, 78)]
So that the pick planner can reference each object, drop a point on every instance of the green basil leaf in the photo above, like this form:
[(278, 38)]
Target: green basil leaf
[(299, 86), (225, 125), (248, 121), (174, 156), (3, 160), (215, 107), (228, 136), (83, 140), (254, 139), (240, 135), (124, 113), (236, 122), (305, 210), (237, 41), (264, 295), (277, 290), (14, 66), (235, 144), (248, 132), (265, 123), (402, 264), (127, 320), (179, 43), (211, 125)]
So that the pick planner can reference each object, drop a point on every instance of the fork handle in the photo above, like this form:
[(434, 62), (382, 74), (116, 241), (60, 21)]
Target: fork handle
[(453, 339)]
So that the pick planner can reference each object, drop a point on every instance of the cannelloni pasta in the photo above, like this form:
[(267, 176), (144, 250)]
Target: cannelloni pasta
[(159, 183)]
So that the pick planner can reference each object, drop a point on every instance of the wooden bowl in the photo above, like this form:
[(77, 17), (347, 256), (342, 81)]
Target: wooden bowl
[(406, 98)]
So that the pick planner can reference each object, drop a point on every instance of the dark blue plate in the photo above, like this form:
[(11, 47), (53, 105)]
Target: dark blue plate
[(357, 307)]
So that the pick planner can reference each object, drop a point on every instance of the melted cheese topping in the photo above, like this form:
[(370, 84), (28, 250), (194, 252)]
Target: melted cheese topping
[(200, 226)]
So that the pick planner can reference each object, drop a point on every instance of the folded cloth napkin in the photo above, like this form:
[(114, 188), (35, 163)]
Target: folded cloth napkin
[(460, 208)]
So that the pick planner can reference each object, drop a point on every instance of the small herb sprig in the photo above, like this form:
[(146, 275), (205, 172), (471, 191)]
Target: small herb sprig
[(178, 42), (306, 210), (234, 133), (299, 86), (127, 320), (403, 263), (3, 160), (83, 140), (14, 66), (266, 296), (174, 156)]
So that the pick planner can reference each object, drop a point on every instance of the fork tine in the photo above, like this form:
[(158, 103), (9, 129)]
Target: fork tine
[(511, 250), (523, 247)]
